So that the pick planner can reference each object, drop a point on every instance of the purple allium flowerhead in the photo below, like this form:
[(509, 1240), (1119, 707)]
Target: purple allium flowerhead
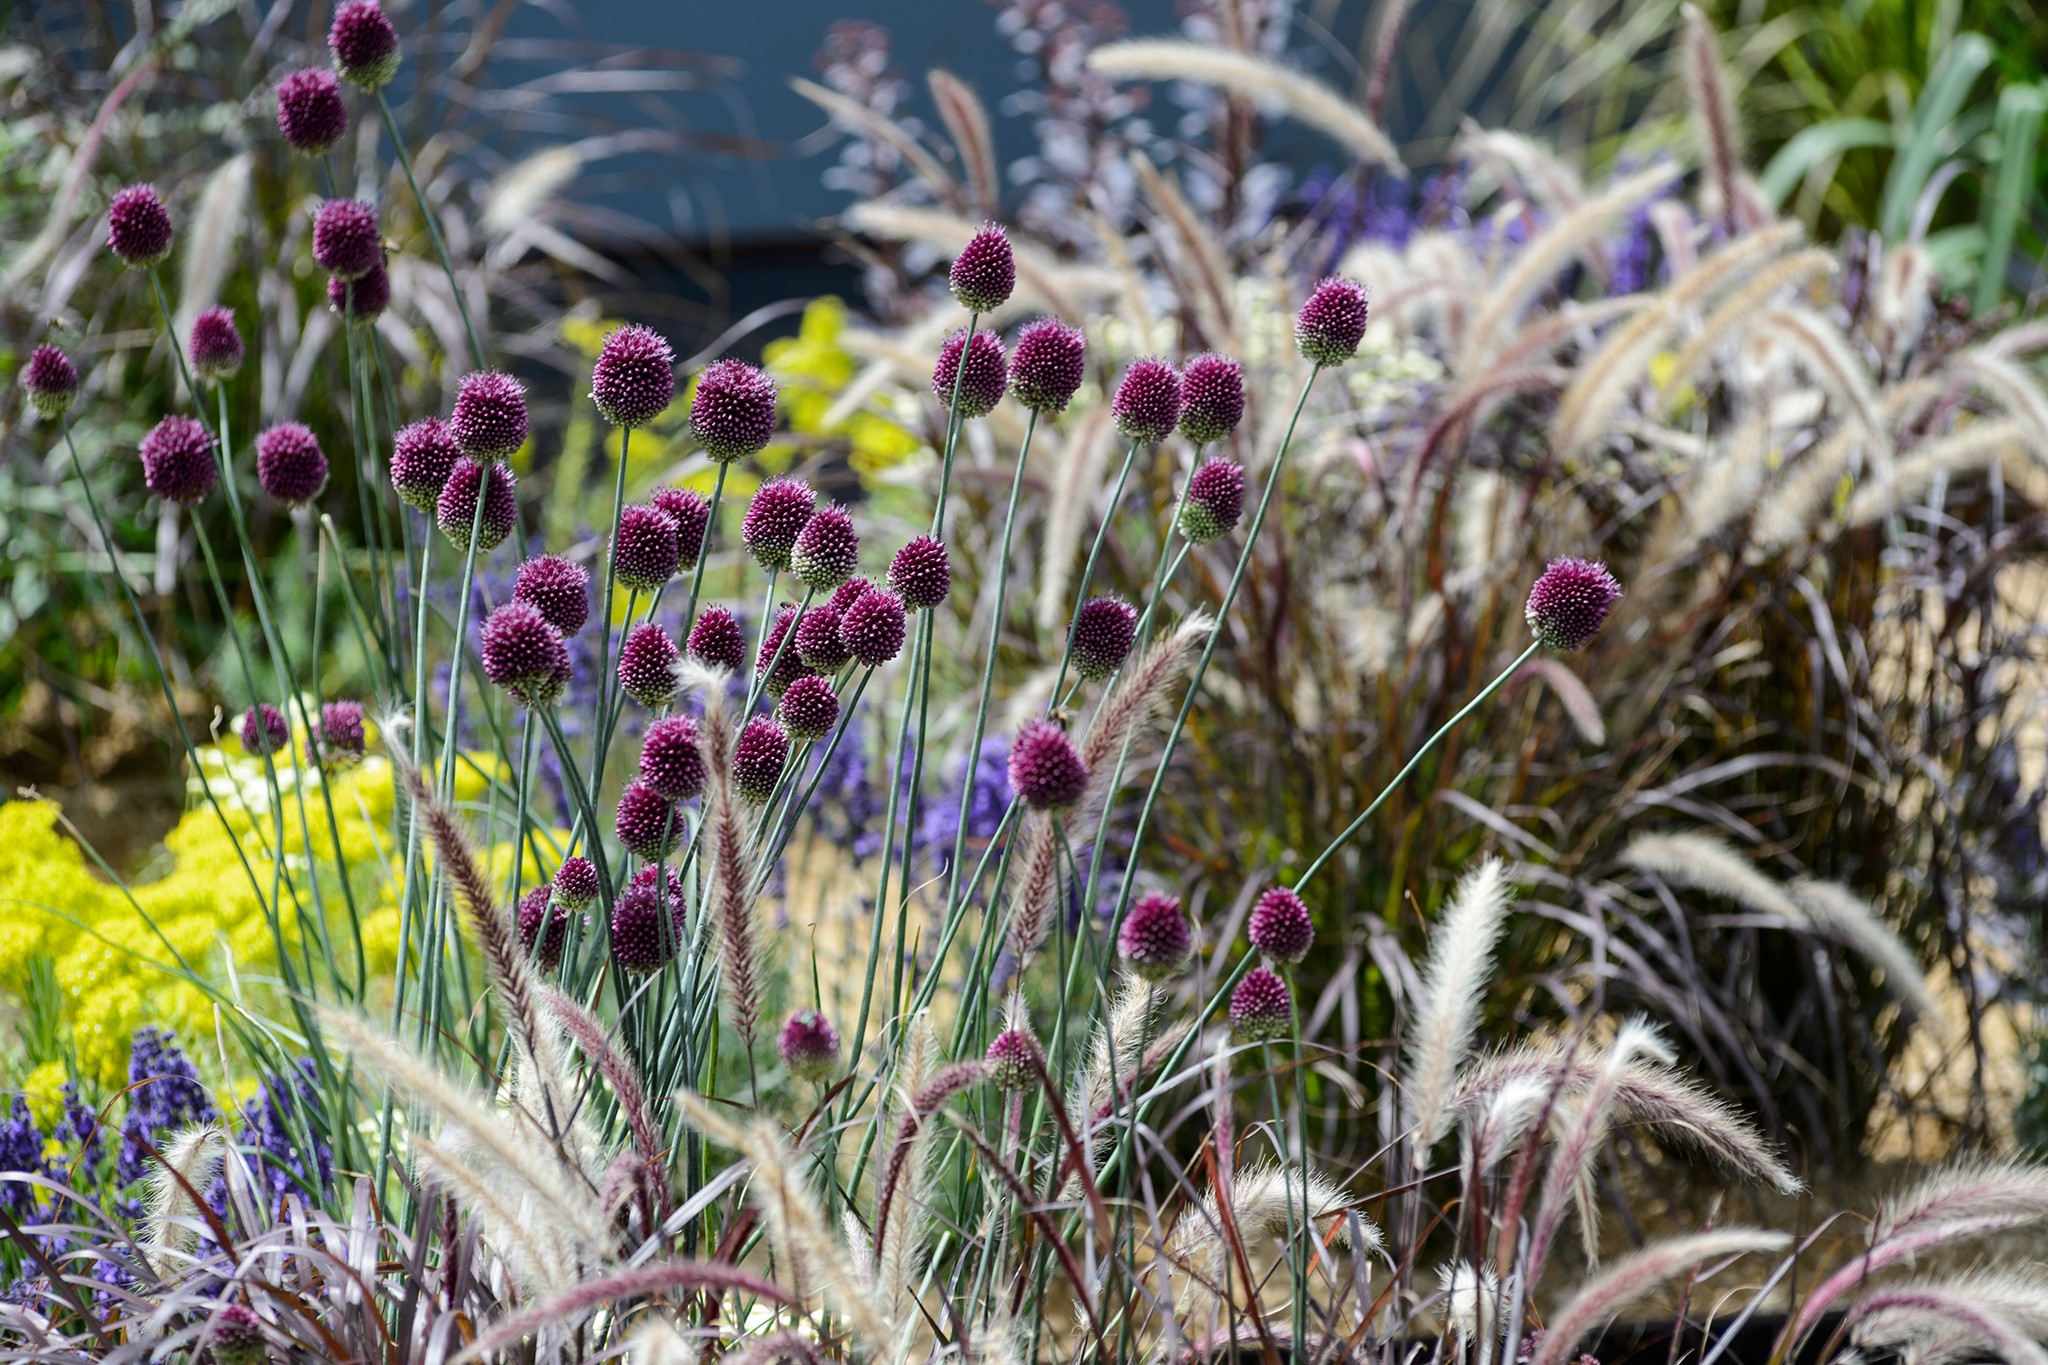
[(922, 573), (1155, 941), (732, 412), (646, 550), (1332, 323), (177, 460), (649, 824), (338, 740), (780, 651), (809, 1046), (1281, 927), (215, 346), (290, 464), (672, 758), (1570, 602), (1214, 501), (849, 592), (310, 111), (524, 654), (1047, 364), (236, 1337), (758, 757), (809, 708), (264, 730), (717, 641), (649, 665), (363, 298), (51, 381), (827, 550), (640, 941), (1261, 1009), (346, 239), (872, 627), (455, 510), (1045, 768), (985, 271), (557, 588), (490, 414), (1212, 397), (576, 882), (138, 226), (363, 43), (1147, 402), (776, 516), (1101, 636), (423, 454), (817, 640), (543, 927), (1014, 1060), (981, 386), (635, 377), (691, 513)]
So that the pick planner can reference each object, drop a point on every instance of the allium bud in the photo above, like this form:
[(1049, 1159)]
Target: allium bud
[(649, 824), (1570, 602), (1332, 323), (848, 593), (809, 1046), (177, 460), (1101, 636), (648, 666), (576, 882), (732, 413), (1045, 768), (1281, 927), (290, 464), (264, 730), (1261, 1009), (455, 510), (672, 758), (524, 654), (364, 298), (809, 708), (51, 381), (758, 757), (1214, 501), (490, 414), (337, 740), (645, 548), (827, 550), (787, 661), (236, 1337), (215, 346), (717, 641), (346, 240), (422, 457), (635, 377), (310, 112), (1047, 364), (363, 43), (1014, 1060), (981, 387), (691, 513), (138, 226), (817, 640), (557, 588), (985, 271), (641, 942), (922, 573), (1212, 397), (872, 628), (1147, 402), (1155, 941), (776, 516), (543, 927)]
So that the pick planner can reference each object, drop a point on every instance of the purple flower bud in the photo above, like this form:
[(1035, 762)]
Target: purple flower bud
[(717, 641), (649, 824), (346, 241), (490, 414), (872, 628), (758, 757), (422, 457), (1332, 323), (310, 112), (1570, 602), (1014, 1060), (455, 510), (732, 413), (1101, 636), (809, 1046), (809, 708), (849, 592), (1155, 941), (557, 588), (1048, 364), (576, 882), (1281, 927), (51, 381), (523, 654), (787, 660), (648, 666), (1214, 502), (543, 927), (775, 518), (364, 298), (337, 740), (985, 271), (290, 464), (635, 377), (363, 43), (177, 460), (922, 573), (641, 942), (215, 347), (138, 226), (645, 549), (827, 550), (1212, 397), (817, 640), (1261, 1008), (1045, 768), (687, 508), (1147, 402), (264, 730), (672, 758), (236, 1337), (981, 387)]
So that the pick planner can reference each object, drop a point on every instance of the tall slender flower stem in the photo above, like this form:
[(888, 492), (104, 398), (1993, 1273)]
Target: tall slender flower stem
[(1116, 498), (605, 680), (476, 350), (954, 422)]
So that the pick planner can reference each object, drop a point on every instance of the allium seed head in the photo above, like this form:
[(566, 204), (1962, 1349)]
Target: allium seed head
[(346, 239), (557, 588), (138, 226), (215, 346), (809, 1046), (236, 1337), (455, 511), (363, 298), (817, 640), (576, 882), (732, 412), (634, 380), (177, 460), (1101, 636), (1155, 941), (363, 43), (1048, 364), (422, 457), (1570, 602), (922, 573), (649, 825), (1147, 402), (981, 387), (1212, 397), (310, 112), (646, 551), (758, 757), (337, 740), (787, 659), (691, 513), (51, 381), (524, 654), (1014, 1060), (827, 550), (264, 730), (1215, 500), (543, 927), (872, 627), (648, 666), (985, 271), (490, 414), (717, 641), (776, 516), (1045, 768), (1332, 323), (641, 942), (290, 464), (672, 758), (809, 708), (1261, 1009), (1281, 927)]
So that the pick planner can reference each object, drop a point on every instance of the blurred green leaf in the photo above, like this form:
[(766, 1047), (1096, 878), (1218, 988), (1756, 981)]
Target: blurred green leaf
[(2018, 131), (1822, 142), (1928, 141)]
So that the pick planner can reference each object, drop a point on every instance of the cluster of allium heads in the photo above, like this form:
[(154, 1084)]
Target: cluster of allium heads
[(758, 757), (776, 516), (985, 271), (644, 938), (361, 299), (827, 550), (423, 455), (716, 640), (363, 44), (646, 549), (809, 707), (1148, 400), (1101, 636), (576, 883), (817, 640), (489, 419), (557, 588), (215, 346), (456, 511), (672, 758), (50, 380), (338, 740), (1212, 397), (138, 226), (264, 730), (310, 111), (980, 381), (732, 412), (1046, 770), (1155, 941), (177, 460), (691, 513), (1047, 364), (809, 1046), (347, 243), (778, 662), (1014, 1060), (543, 923), (650, 666), (1261, 1008), (921, 573), (1332, 323), (1281, 926), (635, 377), (648, 824), (1570, 601), (524, 654), (1214, 500), (872, 626), (290, 464)]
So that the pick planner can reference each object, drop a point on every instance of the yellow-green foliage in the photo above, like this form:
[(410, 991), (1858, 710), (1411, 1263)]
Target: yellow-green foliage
[(813, 369)]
